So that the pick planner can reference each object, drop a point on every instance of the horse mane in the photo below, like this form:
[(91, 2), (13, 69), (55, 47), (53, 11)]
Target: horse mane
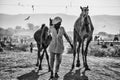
[(86, 25), (44, 32), (46, 38)]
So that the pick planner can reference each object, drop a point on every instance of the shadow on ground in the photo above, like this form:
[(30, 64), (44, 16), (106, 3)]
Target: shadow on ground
[(29, 76), (53, 78), (33, 76), (75, 76)]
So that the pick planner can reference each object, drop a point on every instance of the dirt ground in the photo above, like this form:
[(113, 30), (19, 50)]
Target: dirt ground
[(21, 66)]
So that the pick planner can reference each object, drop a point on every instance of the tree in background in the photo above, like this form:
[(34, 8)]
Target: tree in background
[(1, 32), (18, 27), (30, 26), (10, 31), (6, 32)]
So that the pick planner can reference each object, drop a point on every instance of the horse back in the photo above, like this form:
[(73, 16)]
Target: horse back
[(47, 41), (37, 35)]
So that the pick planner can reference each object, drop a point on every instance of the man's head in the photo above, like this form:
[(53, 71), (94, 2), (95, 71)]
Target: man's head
[(57, 20)]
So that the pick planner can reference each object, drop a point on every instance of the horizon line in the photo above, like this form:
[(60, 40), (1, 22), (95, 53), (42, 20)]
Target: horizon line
[(58, 13)]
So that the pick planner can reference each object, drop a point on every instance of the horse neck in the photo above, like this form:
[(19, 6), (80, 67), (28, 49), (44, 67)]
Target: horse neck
[(81, 14), (45, 34), (81, 20)]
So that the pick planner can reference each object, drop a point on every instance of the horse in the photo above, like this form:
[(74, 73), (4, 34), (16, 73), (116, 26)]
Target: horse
[(83, 29), (43, 39)]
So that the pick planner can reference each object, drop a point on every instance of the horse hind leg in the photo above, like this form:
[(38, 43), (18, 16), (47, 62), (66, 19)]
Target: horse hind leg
[(37, 62), (78, 52), (38, 55), (47, 57), (83, 55), (41, 58), (86, 51)]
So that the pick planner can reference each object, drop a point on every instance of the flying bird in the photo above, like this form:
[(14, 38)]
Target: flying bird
[(27, 18)]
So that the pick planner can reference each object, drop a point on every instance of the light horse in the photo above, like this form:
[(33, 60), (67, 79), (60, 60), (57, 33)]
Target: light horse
[(43, 40), (83, 29)]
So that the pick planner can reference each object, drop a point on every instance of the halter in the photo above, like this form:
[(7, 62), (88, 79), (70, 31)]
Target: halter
[(84, 19)]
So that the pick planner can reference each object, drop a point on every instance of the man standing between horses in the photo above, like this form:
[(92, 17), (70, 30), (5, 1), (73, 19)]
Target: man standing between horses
[(31, 47), (56, 47)]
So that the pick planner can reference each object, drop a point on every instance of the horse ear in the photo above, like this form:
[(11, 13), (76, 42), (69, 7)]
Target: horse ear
[(87, 6), (50, 19), (81, 8)]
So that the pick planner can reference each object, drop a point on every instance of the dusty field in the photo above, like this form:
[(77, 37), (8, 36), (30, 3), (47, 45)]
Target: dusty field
[(21, 65)]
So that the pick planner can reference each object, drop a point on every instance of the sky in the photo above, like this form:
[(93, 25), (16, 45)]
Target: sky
[(72, 7)]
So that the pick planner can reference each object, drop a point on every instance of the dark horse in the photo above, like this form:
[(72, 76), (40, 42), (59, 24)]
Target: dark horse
[(83, 29), (43, 39)]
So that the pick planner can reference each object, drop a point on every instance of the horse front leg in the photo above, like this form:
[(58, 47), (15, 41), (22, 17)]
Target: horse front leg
[(86, 51), (41, 58), (74, 52), (47, 57), (37, 59), (78, 52), (83, 55)]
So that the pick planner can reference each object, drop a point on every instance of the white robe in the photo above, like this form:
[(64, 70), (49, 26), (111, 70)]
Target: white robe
[(56, 45)]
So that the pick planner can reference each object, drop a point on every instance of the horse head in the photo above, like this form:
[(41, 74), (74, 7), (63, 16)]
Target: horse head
[(46, 37), (42, 26), (84, 12), (50, 20)]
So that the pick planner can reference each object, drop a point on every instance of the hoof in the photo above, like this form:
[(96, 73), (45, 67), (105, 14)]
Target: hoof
[(78, 65), (37, 64), (40, 68), (56, 75), (49, 70), (87, 69), (51, 76)]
